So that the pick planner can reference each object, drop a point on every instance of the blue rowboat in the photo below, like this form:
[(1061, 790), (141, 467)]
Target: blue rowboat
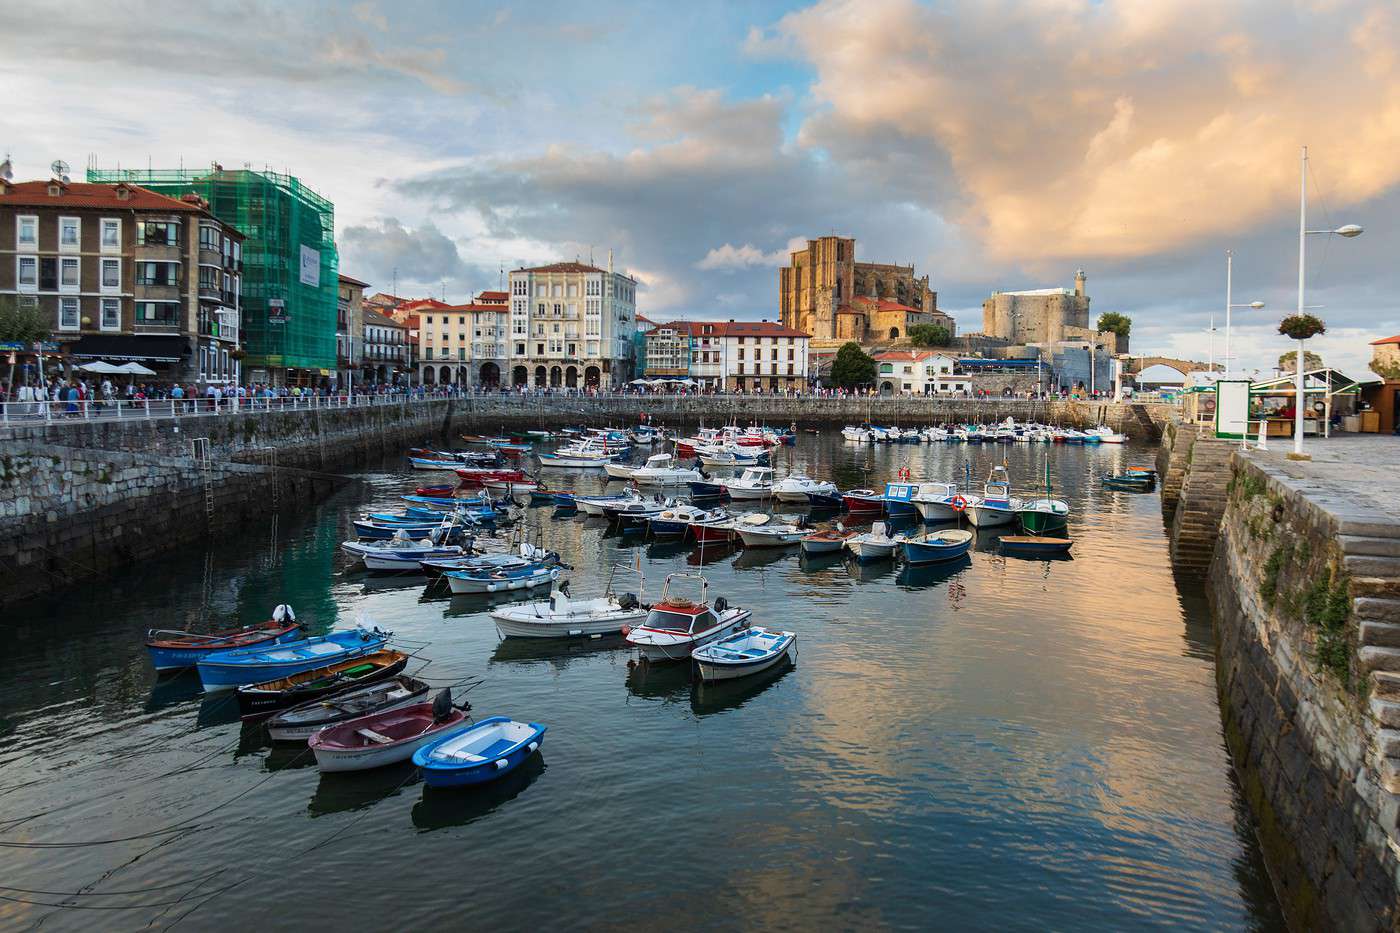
[(705, 490), (492, 580), (174, 651), (256, 665), (488, 750), (1033, 545), (747, 651), (935, 546), (564, 501), (423, 463), (823, 500)]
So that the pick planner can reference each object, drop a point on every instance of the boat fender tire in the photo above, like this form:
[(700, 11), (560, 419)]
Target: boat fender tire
[(532, 746), (721, 604), (501, 764)]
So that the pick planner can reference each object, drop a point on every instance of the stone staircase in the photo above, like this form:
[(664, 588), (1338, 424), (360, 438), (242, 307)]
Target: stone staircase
[(1372, 558), (1196, 519), (1150, 428)]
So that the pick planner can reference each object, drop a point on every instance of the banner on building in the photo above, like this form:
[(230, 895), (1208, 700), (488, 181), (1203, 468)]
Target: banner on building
[(276, 311), (310, 267)]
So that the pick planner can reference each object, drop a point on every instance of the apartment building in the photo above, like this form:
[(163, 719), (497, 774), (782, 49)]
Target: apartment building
[(126, 275), (744, 356), (465, 345), (572, 325)]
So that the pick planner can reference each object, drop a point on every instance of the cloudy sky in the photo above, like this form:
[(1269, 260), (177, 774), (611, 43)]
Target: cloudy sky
[(994, 144)]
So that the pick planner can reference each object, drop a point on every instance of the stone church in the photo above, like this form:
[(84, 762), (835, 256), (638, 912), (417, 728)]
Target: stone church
[(824, 292)]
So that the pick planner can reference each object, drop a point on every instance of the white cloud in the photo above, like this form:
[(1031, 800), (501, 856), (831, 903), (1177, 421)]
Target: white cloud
[(728, 257)]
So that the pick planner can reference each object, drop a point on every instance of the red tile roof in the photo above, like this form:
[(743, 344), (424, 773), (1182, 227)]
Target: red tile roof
[(489, 297), (474, 307), (1395, 339), (563, 267), (421, 304), (83, 194)]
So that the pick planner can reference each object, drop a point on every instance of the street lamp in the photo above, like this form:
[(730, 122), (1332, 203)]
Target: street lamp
[(1256, 305), (1348, 231)]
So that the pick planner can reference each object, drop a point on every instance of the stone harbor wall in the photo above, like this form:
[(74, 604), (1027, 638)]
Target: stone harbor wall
[(1306, 597), (72, 514)]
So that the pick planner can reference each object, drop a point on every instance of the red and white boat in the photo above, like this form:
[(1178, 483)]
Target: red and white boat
[(476, 476), (387, 737), (676, 626), (863, 501)]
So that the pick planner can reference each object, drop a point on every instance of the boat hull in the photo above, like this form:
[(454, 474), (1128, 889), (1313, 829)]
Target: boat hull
[(364, 759), (178, 659), (1043, 521), (281, 729), (680, 650), (254, 702), (495, 762), (711, 670), (985, 516), (469, 585), (916, 552), (867, 550), (226, 673), (823, 545), (508, 626)]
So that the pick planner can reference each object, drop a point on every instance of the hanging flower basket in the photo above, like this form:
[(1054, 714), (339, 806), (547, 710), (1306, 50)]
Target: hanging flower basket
[(1301, 326), (238, 353)]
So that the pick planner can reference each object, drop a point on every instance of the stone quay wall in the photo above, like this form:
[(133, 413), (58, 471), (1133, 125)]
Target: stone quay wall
[(71, 514), (1305, 591)]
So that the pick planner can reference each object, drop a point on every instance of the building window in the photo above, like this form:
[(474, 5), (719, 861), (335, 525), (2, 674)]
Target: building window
[(427, 353), (111, 314), (167, 273), (111, 235), (27, 232), (158, 233), (69, 274), (68, 314), (69, 234), (539, 349), (27, 272), (111, 275), (209, 237), (164, 313)]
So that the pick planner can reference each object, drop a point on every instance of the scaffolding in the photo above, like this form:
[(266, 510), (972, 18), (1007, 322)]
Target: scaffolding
[(290, 263)]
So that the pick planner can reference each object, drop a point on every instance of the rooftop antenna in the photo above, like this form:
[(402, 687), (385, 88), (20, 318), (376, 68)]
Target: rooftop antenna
[(7, 171), (60, 169), (394, 289)]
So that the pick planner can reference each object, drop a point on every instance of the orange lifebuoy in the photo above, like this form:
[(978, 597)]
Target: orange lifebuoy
[(958, 503)]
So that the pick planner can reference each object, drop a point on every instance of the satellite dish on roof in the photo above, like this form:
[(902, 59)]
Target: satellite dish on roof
[(60, 169), (7, 171)]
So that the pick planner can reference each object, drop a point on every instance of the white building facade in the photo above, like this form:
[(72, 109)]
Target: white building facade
[(913, 372), (571, 325)]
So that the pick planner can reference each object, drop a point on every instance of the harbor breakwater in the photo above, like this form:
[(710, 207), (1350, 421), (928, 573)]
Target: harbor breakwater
[(1304, 586)]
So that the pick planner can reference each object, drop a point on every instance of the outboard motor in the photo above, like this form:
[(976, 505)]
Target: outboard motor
[(629, 601), (442, 705)]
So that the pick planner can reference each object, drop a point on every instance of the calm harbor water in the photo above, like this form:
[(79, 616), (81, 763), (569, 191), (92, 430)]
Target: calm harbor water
[(998, 744)]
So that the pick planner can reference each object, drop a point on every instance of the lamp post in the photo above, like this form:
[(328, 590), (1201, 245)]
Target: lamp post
[(1349, 231), (1256, 305)]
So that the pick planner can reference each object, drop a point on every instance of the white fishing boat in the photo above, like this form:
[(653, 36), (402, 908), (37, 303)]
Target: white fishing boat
[(998, 506), (662, 470), (746, 652), (617, 470), (770, 534), (676, 626), (594, 505), (874, 544), (588, 454), (501, 579), (936, 502), (794, 488), (676, 520), (755, 483), (1106, 435), (856, 435), (731, 456), (562, 616), (402, 553)]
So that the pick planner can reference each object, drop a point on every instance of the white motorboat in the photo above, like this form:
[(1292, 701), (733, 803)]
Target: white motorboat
[(585, 455), (402, 553), (662, 470), (561, 616), (874, 544), (856, 435), (676, 626), (501, 579), (617, 470), (675, 521), (755, 483), (1106, 435), (731, 456), (936, 502), (770, 534), (998, 506), (794, 488), (750, 651), (594, 505)]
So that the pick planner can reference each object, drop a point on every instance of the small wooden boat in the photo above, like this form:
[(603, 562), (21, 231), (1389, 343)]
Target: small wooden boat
[(488, 750), (1134, 482), (443, 492), (255, 665), (500, 580), (935, 546), (824, 500), (704, 490), (1033, 544), (303, 721), (770, 534), (1039, 515), (386, 738), (172, 650), (746, 652), (827, 541), (476, 476), (261, 699)]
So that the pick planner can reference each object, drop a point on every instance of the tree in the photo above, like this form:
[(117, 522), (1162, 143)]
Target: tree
[(852, 367), (22, 324), (1289, 361), (1116, 323), (930, 335)]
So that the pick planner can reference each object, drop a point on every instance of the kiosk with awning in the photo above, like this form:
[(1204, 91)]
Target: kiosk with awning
[(1325, 392)]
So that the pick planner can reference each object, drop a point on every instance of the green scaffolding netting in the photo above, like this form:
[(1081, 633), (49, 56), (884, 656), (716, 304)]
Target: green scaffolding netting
[(289, 256)]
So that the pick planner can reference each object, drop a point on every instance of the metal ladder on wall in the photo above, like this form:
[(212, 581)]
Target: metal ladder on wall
[(199, 450), (270, 459)]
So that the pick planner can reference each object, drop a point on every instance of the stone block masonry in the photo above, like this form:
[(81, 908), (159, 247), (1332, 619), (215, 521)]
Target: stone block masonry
[(1305, 588), (71, 514)]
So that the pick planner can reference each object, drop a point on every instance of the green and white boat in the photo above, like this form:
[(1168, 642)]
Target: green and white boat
[(1041, 515)]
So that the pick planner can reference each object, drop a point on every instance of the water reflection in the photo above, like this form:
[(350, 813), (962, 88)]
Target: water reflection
[(558, 652), (348, 791), (445, 807), (918, 576), (708, 698)]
